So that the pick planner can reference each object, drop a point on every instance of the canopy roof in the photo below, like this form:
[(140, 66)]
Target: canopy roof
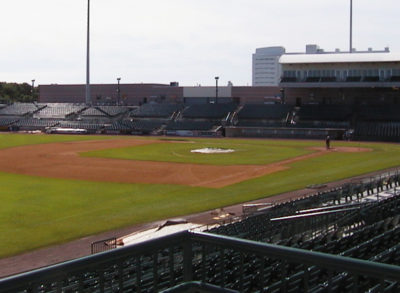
[(339, 58)]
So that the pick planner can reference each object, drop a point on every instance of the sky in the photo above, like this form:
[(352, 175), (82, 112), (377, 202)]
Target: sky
[(188, 41)]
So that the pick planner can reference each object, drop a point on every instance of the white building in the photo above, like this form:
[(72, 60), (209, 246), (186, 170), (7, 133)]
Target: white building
[(266, 67)]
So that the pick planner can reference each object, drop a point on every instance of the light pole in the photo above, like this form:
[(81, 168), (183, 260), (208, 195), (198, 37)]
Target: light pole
[(351, 26), (118, 91), (216, 89), (33, 89), (87, 98)]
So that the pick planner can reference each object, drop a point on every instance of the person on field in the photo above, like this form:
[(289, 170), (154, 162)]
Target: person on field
[(328, 142)]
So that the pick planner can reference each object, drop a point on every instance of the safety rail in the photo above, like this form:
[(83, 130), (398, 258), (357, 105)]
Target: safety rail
[(103, 245), (227, 262)]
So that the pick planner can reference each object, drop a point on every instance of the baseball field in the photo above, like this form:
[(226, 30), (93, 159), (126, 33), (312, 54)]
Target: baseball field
[(57, 188)]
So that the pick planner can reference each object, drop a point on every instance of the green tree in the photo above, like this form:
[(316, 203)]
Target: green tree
[(17, 92)]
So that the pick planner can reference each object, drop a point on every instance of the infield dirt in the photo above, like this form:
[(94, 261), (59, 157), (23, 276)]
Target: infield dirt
[(62, 160)]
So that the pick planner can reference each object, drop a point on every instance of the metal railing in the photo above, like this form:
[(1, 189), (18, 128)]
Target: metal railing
[(103, 245), (226, 262)]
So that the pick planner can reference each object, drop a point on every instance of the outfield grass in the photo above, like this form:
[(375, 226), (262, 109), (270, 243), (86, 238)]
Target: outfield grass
[(13, 140), (37, 212)]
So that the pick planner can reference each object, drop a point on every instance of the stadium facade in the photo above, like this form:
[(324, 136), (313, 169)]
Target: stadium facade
[(316, 76), (341, 78), (267, 68), (138, 94)]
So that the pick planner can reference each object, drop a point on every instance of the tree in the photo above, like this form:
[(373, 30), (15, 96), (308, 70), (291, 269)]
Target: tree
[(14, 92)]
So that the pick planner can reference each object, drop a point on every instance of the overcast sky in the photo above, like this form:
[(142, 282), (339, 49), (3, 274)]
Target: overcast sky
[(189, 41)]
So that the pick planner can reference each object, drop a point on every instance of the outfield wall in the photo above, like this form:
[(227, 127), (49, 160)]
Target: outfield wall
[(271, 132)]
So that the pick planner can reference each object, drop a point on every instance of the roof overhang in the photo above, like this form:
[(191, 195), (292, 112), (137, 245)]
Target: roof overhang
[(339, 58)]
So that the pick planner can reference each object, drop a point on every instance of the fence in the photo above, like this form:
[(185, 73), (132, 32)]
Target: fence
[(103, 245), (226, 262)]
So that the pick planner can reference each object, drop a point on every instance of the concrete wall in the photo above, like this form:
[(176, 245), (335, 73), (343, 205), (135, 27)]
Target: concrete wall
[(254, 94), (135, 94), (207, 92), (131, 94)]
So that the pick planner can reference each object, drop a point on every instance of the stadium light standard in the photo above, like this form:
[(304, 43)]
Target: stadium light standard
[(88, 99), (216, 89), (351, 26), (33, 88), (118, 91)]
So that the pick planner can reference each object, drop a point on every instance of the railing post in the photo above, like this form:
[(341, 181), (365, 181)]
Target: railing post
[(187, 259)]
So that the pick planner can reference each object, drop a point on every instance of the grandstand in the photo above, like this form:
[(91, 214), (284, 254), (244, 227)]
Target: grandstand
[(253, 115), (156, 110), (58, 110), (340, 121), (20, 109)]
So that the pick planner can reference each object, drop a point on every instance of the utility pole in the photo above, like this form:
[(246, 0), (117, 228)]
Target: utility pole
[(118, 91), (351, 27), (88, 98), (216, 89), (33, 89)]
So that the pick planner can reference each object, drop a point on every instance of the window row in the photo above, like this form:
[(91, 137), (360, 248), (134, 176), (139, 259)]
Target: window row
[(342, 73)]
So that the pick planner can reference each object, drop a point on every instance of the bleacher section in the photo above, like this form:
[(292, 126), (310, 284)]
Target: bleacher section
[(266, 112), (6, 122), (383, 131), (35, 124), (378, 112), (58, 110), (156, 110), (144, 126), (208, 111), (254, 115), (20, 109), (341, 240), (312, 112), (361, 122), (93, 112), (114, 110), (91, 127), (190, 125)]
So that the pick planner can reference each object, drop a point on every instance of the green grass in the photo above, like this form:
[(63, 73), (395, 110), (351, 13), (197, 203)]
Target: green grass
[(37, 212), (14, 140)]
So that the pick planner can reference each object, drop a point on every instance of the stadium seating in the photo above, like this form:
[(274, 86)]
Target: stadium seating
[(35, 124), (190, 125), (366, 122), (210, 111), (20, 109), (114, 110), (156, 110), (377, 131), (58, 110), (7, 121), (378, 112), (267, 112), (314, 112), (93, 112), (144, 126), (91, 127)]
